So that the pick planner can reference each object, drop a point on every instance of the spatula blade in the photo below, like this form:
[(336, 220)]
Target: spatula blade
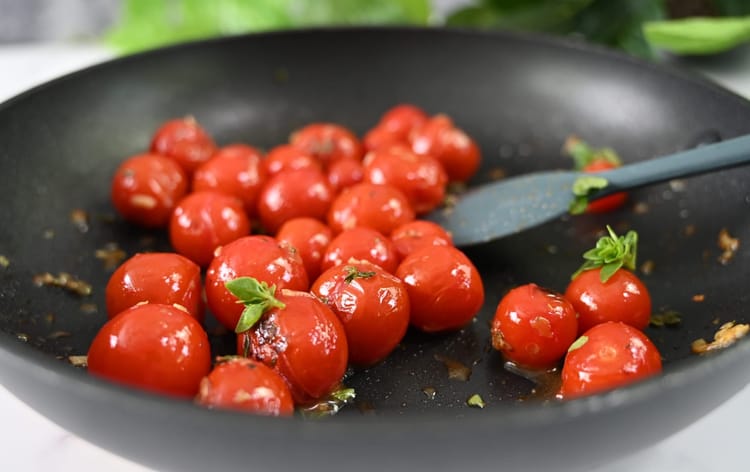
[(508, 206)]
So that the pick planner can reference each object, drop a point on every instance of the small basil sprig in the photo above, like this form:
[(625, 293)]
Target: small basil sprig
[(257, 297), (583, 154), (611, 253), (583, 187)]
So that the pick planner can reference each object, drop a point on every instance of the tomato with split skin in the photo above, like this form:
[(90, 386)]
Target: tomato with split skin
[(372, 304), (327, 142), (242, 384), (154, 347), (608, 356), (156, 277), (304, 341), (533, 327), (418, 234)]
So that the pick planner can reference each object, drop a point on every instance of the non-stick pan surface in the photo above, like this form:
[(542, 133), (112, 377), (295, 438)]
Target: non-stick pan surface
[(520, 96)]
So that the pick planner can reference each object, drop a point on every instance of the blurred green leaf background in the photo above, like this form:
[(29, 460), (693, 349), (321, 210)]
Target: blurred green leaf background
[(639, 27)]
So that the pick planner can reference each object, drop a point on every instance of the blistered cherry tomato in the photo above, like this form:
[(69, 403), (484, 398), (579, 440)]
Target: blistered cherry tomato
[(235, 170), (261, 257), (419, 176), (345, 173), (304, 341), (380, 207), (185, 141), (156, 277), (450, 145), (203, 221), (294, 194), (610, 202), (380, 137), (402, 119), (445, 289), (534, 327), (418, 234), (608, 356), (146, 188), (287, 157), (242, 384), (623, 297), (154, 347), (372, 304), (361, 243), (310, 237), (327, 142)]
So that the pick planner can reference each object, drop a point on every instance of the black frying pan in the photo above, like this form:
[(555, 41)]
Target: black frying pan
[(520, 96)]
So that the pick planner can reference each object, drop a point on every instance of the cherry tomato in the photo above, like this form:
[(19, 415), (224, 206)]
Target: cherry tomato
[(203, 221), (236, 170), (439, 138), (185, 141), (294, 194), (243, 384), (418, 234), (419, 176), (156, 277), (534, 327), (304, 341), (402, 119), (621, 298), (261, 257), (445, 289), (152, 346), (310, 238), (365, 244), (146, 188), (380, 137), (380, 207), (287, 157), (327, 142), (608, 356), (345, 173), (610, 202), (372, 304)]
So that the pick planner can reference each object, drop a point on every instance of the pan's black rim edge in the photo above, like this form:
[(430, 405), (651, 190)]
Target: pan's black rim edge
[(45, 368), (549, 40)]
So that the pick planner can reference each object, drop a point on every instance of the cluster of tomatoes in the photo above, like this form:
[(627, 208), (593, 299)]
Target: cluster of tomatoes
[(596, 325), (338, 270)]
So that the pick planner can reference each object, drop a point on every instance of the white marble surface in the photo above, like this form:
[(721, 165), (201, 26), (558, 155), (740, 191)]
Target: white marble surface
[(30, 442)]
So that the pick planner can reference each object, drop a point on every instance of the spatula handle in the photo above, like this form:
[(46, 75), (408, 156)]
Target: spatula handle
[(700, 160)]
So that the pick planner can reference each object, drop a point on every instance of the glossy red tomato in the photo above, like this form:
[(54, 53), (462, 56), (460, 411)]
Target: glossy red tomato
[(242, 384), (418, 234), (310, 237), (621, 298), (304, 341), (327, 142), (380, 137), (364, 244), (146, 188), (236, 170), (450, 145), (445, 289), (608, 356), (287, 157), (185, 141), (261, 257), (610, 202), (534, 327), (203, 221), (419, 176), (372, 304), (294, 194), (380, 207), (156, 277), (402, 119), (154, 347), (345, 173)]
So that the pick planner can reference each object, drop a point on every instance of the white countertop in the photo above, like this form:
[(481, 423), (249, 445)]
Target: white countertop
[(30, 442)]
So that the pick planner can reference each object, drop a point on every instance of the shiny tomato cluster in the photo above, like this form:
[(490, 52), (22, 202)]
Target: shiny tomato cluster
[(339, 269), (596, 326)]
